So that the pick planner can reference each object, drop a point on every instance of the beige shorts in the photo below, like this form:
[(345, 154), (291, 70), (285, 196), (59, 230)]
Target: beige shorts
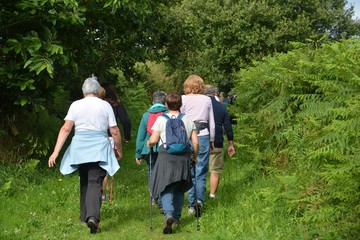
[(216, 161)]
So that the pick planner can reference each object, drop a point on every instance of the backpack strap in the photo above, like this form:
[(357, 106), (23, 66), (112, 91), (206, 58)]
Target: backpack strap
[(180, 116), (166, 116)]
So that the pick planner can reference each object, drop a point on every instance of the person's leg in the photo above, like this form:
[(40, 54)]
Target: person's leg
[(96, 176), (83, 189), (191, 192), (202, 167), (167, 197), (178, 201), (214, 183), (167, 200), (104, 187), (216, 167)]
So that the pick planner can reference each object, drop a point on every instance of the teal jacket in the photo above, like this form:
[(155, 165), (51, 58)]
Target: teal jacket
[(142, 135)]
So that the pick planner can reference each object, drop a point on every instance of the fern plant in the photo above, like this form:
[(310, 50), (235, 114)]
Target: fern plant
[(302, 113)]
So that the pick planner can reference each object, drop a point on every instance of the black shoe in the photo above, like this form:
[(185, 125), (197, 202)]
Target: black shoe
[(94, 227), (168, 225)]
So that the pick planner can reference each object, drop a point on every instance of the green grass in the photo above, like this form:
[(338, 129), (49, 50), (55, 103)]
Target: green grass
[(47, 207)]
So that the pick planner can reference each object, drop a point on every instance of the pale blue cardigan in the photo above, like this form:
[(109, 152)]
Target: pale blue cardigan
[(86, 147)]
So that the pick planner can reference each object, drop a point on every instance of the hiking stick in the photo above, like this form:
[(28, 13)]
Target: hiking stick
[(197, 207), (111, 189), (150, 171)]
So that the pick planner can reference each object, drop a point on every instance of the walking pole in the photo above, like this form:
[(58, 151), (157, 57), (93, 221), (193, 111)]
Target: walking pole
[(197, 205), (111, 189), (150, 171), (112, 183)]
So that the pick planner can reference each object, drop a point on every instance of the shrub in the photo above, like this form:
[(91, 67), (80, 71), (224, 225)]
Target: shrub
[(299, 114)]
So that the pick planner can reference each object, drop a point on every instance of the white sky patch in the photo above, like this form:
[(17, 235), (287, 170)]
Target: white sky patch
[(356, 4)]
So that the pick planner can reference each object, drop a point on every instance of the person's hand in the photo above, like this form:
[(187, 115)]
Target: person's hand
[(138, 161), (231, 151), (194, 159), (212, 146), (52, 160), (119, 154)]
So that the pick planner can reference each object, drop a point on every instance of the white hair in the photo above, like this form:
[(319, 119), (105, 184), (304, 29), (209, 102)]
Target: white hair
[(91, 85)]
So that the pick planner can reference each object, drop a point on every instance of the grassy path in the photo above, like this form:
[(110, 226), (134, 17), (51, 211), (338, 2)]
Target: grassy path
[(49, 209)]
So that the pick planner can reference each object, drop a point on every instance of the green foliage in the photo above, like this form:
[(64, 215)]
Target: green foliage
[(226, 36), (155, 78), (136, 101), (36, 134), (47, 49), (299, 112), (14, 179)]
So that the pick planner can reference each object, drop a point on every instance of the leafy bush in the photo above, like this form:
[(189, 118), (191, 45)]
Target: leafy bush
[(14, 178), (300, 115)]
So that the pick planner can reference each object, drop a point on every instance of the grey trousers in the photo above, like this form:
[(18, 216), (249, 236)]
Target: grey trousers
[(91, 178)]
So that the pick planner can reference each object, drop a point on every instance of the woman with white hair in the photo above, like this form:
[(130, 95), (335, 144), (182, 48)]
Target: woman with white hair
[(90, 151)]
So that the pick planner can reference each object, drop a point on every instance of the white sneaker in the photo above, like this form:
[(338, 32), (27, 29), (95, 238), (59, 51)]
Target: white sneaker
[(191, 211), (104, 197)]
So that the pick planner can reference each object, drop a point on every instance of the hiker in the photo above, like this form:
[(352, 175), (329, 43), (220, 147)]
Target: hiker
[(119, 109), (198, 108), (101, 94), (90, 151), (144, 131), (222, 122), (171, 176), (121, 115)]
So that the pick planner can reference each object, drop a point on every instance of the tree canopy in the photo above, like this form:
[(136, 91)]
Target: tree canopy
[(229, 35), (48, 47)]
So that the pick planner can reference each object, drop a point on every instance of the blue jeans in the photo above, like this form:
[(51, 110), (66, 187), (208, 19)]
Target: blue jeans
[(199, 176), (172, 199)]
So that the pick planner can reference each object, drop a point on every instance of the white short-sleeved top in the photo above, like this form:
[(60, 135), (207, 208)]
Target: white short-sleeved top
[(91, 113), (160, 126)]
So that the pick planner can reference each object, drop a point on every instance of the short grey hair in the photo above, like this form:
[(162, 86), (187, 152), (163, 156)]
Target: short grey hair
[(210, 90), (159, 97), (91, 85)]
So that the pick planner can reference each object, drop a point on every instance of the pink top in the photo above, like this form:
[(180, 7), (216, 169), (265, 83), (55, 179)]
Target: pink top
[(198, 107)]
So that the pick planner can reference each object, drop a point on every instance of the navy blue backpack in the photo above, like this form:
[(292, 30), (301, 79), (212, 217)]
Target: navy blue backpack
[(176, 137)]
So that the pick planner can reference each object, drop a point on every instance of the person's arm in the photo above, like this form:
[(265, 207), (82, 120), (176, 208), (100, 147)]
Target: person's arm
[(195, 143), (62, 136), (229, 133), (140, 138), (155, 136), (125, 121), (211, 126), (115, 133), (231, 148)]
